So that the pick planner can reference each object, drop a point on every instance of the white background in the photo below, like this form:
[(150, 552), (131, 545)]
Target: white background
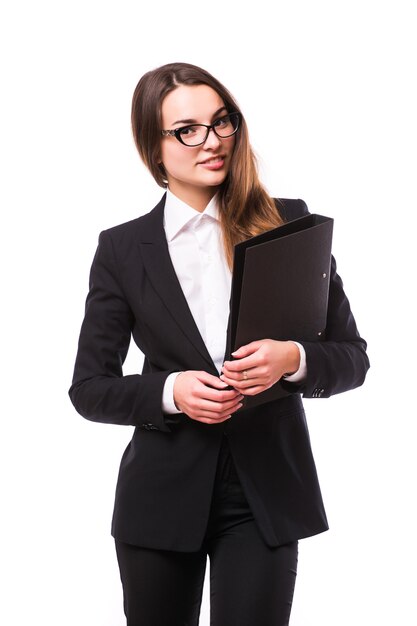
[(328, 90)]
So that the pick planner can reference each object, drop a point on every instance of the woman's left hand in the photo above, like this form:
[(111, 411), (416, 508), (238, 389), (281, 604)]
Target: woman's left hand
[(260, 364)]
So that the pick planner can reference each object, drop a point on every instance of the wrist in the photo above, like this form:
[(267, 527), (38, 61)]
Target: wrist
[(173, 392), (293, 359)]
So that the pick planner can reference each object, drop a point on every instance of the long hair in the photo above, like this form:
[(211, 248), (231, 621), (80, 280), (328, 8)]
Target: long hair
[(246, 209)]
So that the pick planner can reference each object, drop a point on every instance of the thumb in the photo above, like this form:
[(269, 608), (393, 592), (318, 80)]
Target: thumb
[(246, 350)]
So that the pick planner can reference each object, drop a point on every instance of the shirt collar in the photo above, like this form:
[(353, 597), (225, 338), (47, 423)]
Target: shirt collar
[(178, 214)]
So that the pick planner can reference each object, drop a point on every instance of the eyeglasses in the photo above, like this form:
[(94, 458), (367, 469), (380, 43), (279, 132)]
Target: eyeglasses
[(196, 134)]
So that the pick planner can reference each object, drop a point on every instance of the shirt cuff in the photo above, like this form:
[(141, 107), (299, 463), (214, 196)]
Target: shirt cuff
[(301, 373), (168, 404)]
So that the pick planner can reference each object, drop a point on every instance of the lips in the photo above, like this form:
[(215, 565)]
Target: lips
[(213, 159), (214, 162)]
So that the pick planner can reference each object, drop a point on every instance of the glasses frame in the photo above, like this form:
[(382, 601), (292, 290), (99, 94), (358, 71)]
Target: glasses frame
[(176, 132)]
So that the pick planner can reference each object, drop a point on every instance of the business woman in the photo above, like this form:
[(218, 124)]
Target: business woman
[(202, 475)]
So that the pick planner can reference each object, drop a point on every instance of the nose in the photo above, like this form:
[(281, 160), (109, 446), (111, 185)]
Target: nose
[(212, 141)]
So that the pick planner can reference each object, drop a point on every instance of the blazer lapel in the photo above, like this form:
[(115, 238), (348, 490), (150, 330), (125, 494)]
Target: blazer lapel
[(157, 261)]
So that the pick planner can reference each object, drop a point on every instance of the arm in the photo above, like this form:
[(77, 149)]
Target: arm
[(339, 362), (99, 391), (333, 365)]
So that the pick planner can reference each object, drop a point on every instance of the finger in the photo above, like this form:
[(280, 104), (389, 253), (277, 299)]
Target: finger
[(209, 379), (245, 363), (219, 408), (226, 411), (246, 374), (200, 406), (246, 349), (253, 391), (240, 380), (213, 417), (215, 395), (206, 420)]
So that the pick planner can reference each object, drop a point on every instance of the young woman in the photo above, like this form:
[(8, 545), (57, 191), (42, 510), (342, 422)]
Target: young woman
[(202, 475)]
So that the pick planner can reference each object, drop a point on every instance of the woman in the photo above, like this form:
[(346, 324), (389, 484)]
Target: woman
[(202, 475)]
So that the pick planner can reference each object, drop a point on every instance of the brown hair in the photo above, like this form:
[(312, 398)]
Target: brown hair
[(246, 209)]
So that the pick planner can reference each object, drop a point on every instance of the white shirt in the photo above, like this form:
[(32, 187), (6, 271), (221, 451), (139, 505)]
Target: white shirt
[(197, 254)]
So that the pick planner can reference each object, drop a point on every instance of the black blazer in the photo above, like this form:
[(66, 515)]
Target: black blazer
[(167, 471)]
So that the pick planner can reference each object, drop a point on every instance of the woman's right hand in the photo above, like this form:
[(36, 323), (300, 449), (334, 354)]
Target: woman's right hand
[(204, 398)]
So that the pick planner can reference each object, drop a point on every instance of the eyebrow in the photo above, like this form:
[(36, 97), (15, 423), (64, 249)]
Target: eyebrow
[(192, 121)]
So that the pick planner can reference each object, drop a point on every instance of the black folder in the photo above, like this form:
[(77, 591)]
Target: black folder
[(280, 288)]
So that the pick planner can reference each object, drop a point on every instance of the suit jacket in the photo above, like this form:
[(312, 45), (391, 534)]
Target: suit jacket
[(167, 471)]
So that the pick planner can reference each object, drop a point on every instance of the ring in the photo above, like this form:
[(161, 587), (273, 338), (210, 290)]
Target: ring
[(245, 375)]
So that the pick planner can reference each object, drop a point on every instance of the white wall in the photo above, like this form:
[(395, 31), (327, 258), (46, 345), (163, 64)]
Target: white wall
[(328, 89)]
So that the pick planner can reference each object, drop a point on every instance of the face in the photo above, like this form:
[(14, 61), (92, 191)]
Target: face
[(194, 173)]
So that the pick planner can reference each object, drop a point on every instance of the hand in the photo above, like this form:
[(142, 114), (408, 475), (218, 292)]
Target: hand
[(202, 397), (260, 365)]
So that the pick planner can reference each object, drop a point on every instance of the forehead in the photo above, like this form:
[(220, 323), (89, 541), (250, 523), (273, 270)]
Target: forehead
[(196, 102)]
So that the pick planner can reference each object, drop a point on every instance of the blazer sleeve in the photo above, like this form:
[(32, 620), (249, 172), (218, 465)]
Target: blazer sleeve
[(338, 362), (99, 391)]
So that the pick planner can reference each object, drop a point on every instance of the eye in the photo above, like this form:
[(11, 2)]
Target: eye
[(188, 131), (222, 122)]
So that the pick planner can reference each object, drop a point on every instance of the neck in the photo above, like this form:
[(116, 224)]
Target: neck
[(197, 198)]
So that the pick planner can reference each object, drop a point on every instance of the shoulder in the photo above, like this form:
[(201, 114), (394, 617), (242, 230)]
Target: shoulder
[(120, 231), (291, 209), (143, 228)]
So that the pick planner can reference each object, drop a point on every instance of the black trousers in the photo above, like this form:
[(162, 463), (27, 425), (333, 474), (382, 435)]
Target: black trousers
[(251, 584)]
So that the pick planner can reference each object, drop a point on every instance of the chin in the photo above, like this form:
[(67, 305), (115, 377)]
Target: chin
[(214, 179)]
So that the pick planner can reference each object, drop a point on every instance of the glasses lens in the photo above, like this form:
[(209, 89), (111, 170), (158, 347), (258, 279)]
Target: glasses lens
[(193, 135), (227, 125)]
